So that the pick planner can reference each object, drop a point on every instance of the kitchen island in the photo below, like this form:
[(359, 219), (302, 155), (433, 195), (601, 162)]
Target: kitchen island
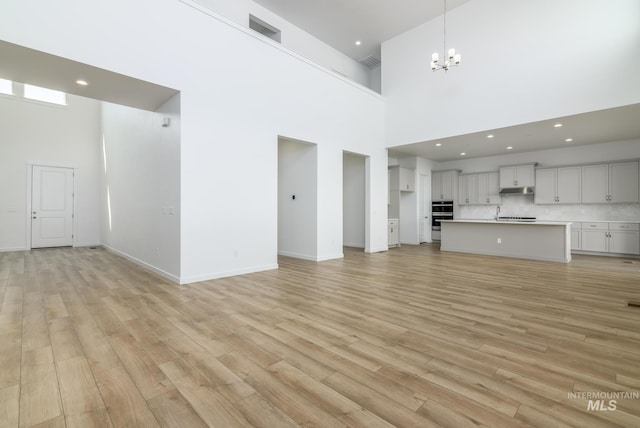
[(536, 240)]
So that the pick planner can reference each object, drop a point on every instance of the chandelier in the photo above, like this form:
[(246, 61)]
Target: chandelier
[(452, 59)]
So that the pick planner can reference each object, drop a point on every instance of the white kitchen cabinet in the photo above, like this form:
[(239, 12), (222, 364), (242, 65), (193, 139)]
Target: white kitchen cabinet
[(558, 185), (610, 183), (576, 232), (517, 176), (490, 193), (595, 237), (619, 238), (468, 189), (444, 185), (624, 238), (478, 189), (393, 232), (402, 179)]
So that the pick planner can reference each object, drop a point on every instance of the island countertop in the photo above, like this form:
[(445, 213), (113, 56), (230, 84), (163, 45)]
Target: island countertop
[(536, 240), (540, 222)]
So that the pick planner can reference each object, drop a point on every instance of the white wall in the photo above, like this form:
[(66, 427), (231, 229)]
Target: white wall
[(51, 135), (238, 93), (141, 185), (297, 218), (522, 61), (293, 38), (353, 197)]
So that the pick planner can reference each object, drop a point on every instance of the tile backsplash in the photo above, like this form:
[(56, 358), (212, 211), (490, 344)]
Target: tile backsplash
[(523, 206)]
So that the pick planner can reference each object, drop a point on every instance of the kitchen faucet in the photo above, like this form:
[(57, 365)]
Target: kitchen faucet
[(497, 213)]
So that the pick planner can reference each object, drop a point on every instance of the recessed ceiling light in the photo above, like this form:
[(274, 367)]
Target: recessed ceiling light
[(82, 82), (557, 125), (509, 148), (568, 140), (463, 154), (490, 136), (358, 42), (438, 144)]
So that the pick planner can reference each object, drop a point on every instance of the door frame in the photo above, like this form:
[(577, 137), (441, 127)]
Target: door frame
[(29, 194)]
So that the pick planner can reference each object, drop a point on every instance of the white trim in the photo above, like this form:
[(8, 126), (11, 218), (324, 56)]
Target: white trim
[(353, 244), (376, 250), (297, 256), (224, 274), (333, 257), (145, 265), (278, 46), (9, 250)]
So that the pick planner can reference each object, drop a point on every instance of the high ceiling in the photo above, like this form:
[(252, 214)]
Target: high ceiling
[(340, 23)]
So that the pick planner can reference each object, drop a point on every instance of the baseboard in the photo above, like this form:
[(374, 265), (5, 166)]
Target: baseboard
[(311, 258), (410, 242), (333, 257), (297, 256), (376, 250), (9, 249), (224, 274), (144, 264), (353, 245), (87, 244)]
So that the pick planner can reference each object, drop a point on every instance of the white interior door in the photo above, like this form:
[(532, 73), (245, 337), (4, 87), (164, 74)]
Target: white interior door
[(51, 207)]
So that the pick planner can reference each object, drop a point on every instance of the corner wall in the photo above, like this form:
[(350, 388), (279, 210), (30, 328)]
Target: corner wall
[(141, 185)]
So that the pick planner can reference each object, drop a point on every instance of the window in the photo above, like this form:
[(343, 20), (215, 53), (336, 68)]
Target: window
[(43, 94), (6, 87)]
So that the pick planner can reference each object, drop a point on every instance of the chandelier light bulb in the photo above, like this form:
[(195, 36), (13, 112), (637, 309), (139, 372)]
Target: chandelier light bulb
[(452, 59)]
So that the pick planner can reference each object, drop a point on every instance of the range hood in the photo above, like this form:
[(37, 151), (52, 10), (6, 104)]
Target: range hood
[(515, 191)]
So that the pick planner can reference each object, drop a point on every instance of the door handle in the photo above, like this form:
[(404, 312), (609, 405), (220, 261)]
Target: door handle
[(34, 217)]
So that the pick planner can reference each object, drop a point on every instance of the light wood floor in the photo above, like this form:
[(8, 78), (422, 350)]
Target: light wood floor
[(410, 337)]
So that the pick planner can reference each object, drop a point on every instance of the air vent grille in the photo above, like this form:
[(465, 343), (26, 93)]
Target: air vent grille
[(370, 61)]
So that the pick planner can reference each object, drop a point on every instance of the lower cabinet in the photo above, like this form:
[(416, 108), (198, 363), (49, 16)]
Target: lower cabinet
[(619, 238), (393, 232)]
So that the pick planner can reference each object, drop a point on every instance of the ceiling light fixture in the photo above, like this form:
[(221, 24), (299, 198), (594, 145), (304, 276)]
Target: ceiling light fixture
[(509, 148), (453, 59), (438, 144), (82, 82), (463, 154), (358, 42), (490, 136), (568, 140), (557, 125)]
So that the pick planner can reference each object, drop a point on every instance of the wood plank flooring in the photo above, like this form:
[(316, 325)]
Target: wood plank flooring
[(410, 338)]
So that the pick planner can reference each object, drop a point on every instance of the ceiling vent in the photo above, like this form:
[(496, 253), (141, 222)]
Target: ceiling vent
[(257, 24), (370, 61)]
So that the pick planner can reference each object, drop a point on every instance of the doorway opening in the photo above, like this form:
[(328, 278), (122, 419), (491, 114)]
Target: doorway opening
[(297, 199), (354, 200)]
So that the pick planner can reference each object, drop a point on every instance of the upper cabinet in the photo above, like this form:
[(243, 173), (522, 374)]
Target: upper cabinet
[(610, 183), (444, 185), (558, 185), (517, 176), (478, 189), (402, 179), (489, 188)]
